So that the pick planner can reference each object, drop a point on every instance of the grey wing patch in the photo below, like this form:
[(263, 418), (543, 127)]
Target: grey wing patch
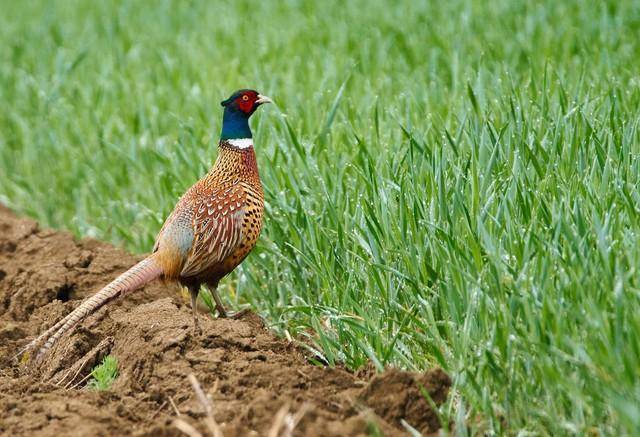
[(176, 233)]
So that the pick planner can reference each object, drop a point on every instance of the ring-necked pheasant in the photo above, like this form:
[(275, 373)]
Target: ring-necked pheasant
[(212, 229)]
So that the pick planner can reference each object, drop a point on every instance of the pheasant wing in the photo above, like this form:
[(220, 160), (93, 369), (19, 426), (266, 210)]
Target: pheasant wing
[(217, 229)]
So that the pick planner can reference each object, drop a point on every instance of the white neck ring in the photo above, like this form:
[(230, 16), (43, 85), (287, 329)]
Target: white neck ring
[(241, 143)]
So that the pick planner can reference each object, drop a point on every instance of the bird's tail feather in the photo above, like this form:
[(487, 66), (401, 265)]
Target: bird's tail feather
[(145, 271)]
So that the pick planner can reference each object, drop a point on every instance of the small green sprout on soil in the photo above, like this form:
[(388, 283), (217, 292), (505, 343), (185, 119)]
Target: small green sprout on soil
[(104, 374)]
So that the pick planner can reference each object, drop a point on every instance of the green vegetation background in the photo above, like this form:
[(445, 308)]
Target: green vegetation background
[(448, 183)]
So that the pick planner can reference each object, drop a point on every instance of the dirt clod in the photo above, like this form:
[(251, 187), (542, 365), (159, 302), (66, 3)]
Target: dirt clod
[(396, 395), (254, 380)]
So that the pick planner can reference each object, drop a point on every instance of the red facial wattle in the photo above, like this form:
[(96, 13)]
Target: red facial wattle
[(245, 105)]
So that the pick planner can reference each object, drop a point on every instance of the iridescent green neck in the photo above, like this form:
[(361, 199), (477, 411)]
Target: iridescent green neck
[(235, 124)]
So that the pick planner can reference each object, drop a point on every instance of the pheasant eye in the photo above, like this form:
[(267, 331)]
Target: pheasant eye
[(245, 97)]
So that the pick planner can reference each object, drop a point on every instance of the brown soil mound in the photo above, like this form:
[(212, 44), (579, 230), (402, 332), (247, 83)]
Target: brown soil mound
[(252, 377)]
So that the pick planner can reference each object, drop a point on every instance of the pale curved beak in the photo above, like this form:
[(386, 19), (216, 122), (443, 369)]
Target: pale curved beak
[(263, 99)]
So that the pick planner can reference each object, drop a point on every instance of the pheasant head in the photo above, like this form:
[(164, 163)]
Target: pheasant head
[(237, 110)]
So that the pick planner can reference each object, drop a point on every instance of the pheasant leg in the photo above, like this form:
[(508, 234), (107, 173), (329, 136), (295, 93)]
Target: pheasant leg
[(222, 312), (193, 291)]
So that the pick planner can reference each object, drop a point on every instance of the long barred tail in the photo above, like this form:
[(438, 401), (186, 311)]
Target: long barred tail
[(137, 276)]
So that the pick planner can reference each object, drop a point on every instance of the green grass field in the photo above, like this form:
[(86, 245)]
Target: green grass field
[(447, 183)]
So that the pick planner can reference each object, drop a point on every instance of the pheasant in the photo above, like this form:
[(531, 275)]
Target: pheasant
[(211, 230)]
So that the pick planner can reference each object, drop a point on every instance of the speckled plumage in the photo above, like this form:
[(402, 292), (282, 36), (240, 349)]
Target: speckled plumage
[(216, 223)]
